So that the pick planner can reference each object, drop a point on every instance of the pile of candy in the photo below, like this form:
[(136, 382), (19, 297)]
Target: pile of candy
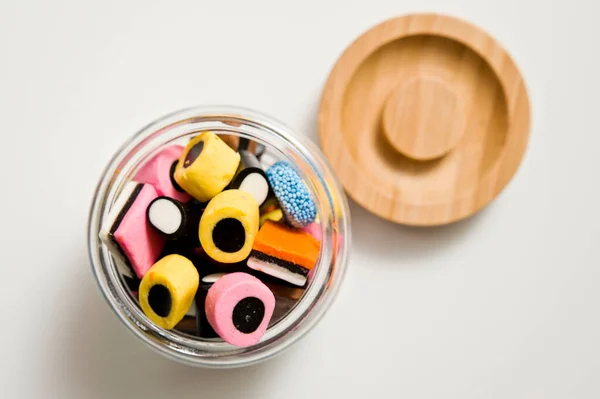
[(212, 243)]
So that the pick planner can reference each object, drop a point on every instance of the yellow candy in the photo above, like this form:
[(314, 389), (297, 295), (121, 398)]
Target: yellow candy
[(167, 290), (274, 215), (229, 225), (269, 205), (206, 166)]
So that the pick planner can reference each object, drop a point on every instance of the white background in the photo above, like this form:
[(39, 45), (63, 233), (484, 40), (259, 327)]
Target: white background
[(504, 305)]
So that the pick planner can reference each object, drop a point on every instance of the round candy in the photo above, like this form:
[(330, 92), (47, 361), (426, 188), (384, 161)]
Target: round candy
[(206, 166), (172, 219), (251, 178), (166, 216), (239, 307), (167, 290), (228, 226), (293, 196)]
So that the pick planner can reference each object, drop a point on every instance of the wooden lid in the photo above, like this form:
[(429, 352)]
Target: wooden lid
[(425, 119)]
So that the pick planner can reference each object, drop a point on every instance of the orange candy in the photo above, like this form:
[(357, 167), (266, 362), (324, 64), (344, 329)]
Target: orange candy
[(281, 242)]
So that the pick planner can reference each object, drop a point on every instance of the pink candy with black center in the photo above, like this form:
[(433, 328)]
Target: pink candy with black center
[(239, 307), (158, 172)]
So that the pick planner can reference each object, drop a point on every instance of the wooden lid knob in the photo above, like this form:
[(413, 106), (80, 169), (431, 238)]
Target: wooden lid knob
[(423, 118)]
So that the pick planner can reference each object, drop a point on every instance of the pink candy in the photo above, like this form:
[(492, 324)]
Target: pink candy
[(126, 232), (157, 172), (314, 229), (141, 244), (239, 307)]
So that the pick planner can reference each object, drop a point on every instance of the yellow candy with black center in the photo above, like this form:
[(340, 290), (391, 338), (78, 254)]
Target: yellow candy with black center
[(229, 225), (168, 289), (206, 166)]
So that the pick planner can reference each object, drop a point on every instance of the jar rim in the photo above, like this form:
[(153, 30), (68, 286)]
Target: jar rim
[(334, 216)]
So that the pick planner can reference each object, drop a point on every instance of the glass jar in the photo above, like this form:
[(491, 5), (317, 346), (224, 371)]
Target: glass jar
[(281, 143)]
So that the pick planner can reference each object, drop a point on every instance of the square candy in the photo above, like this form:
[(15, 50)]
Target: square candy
[(126, 231)]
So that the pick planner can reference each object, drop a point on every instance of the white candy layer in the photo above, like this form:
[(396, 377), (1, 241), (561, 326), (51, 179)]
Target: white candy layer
[(165, 216), (277, 271), (212, 278), (256, 185)]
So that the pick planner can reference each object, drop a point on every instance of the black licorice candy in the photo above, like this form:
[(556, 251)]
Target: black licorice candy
[(173, 219), (133, 283), (179, 247), (174, 183), (207, 265), (245, 144), (203, 327), (187, 325), (250, 177)]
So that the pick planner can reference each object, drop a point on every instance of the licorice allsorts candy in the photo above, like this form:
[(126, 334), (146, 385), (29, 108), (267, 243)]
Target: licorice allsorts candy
[(239, 307), (275, 215), (180, 247), (250, 177), (207, 265), (126, 233), (314, 229), (197, 206), (293, 195), (206, 166), (173, 219), (269, 205), (210, 279), (132, 283), (187, 325), (159, 173), (168, 289), (238, 143), (203, 327), (228, 226), (253, 147), (260, 150), (285, 253)]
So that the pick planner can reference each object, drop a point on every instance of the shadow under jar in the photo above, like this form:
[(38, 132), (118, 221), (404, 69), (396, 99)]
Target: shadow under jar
[(280, 143)]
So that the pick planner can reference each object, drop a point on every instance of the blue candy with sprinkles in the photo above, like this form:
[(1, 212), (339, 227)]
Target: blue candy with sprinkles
[(293, 196)]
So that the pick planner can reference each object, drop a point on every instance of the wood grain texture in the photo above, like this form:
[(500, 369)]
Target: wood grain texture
[(425, 119)]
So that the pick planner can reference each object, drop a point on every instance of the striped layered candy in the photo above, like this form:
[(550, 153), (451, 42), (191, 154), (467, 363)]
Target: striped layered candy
[(285, 253)]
